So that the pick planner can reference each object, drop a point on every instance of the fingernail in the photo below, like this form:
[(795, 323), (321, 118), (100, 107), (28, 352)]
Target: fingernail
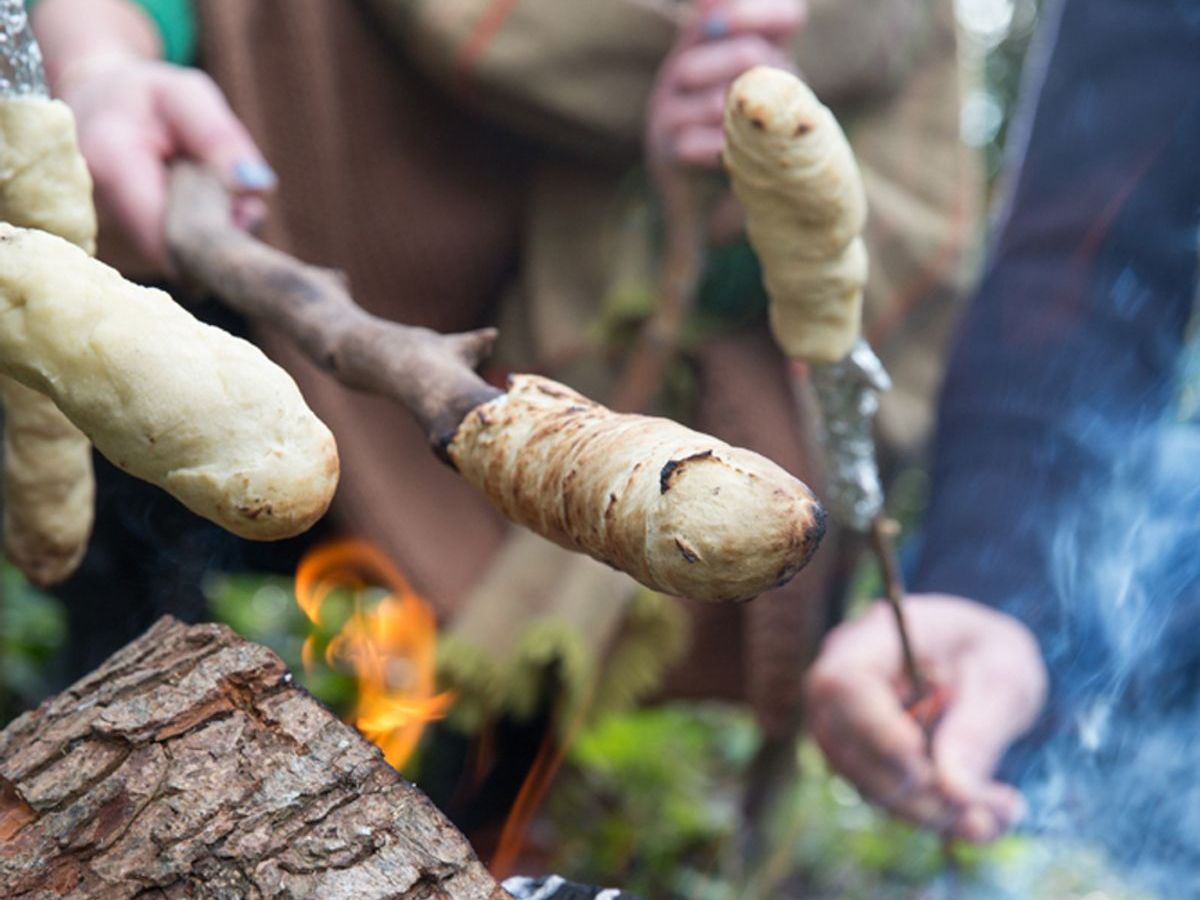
[(254, 175), (715, 25)]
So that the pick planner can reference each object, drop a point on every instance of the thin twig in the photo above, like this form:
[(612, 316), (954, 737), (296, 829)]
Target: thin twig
[(883, 540)]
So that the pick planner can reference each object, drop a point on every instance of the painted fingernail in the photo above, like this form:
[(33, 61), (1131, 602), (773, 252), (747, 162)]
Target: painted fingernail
[(714, 26), (254, 175)]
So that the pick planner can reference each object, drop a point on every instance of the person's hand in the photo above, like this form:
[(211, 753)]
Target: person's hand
[(996, 684), (720, 41), (134, 116)]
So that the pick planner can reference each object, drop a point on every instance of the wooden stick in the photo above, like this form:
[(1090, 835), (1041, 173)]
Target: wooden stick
[(683, 202), (883, 540), (429, 373)]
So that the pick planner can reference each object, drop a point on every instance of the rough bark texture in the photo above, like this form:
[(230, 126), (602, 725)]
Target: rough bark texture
[(189, 765)]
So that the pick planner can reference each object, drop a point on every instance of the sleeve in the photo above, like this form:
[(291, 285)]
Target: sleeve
[(575, 75), (1066, 364), (176, 24)]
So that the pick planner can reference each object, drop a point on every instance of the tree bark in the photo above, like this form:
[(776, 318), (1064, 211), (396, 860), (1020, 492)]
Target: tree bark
[(190, 765)]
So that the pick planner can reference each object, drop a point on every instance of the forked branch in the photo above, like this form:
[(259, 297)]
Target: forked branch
[(432, 375)]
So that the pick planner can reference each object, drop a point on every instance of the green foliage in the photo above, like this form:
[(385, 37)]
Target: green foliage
[(650, 801), (647, 800), (32, 629)]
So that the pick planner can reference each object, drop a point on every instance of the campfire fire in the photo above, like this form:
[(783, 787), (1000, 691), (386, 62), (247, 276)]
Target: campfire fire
[(388, 641), (386, 637)]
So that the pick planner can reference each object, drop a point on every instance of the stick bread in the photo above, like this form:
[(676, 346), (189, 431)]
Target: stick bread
[(180, 404), (682, 512), (795, 174), (49, 487)]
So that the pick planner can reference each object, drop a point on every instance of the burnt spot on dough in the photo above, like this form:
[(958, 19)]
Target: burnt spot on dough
[(689, 553), (565, 489), (610, 511), (666, 478), (256, 511), (808, 539)]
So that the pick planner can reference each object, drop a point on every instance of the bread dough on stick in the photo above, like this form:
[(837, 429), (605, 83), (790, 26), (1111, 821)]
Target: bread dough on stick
[(795, 174), (173, 401), (44, 182), (682, 512), (49, 487), (49, 490)]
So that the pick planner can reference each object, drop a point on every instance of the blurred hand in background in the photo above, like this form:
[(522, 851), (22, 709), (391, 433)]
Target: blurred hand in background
[(136, 113), (720, 41), (996, 681)]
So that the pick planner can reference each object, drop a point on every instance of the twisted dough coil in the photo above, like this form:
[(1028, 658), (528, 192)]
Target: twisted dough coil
[(682, 512), (795, 174)]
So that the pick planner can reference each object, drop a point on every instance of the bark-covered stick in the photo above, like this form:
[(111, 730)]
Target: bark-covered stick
[(680, 511), (432, 375)]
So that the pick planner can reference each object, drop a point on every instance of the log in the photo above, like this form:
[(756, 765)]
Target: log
[(190, 765)]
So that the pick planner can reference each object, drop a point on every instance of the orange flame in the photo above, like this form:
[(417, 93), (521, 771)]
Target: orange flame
[(545, 766), (538, 780), (387, 643)]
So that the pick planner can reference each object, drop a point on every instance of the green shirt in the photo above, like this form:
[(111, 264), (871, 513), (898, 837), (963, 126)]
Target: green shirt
[(176, 24)]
